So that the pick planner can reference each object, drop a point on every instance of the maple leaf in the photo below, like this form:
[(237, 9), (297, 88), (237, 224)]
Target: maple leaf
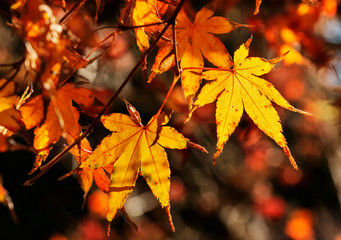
[(143, 12), (9, 115), (239, 88), (136, 149), (61, 116), (195, 40)]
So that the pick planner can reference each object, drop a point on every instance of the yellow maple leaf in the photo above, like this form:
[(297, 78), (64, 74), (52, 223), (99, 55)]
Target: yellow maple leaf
[(239, 88), (136, 149)]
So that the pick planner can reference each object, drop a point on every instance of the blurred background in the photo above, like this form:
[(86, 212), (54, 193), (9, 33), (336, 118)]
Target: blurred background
[(252, 192)]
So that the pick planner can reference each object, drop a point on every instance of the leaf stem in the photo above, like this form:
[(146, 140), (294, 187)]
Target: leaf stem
[(176, 78), (207, 68), (175, 50), (125, 28), (48, 165), (72, 12)]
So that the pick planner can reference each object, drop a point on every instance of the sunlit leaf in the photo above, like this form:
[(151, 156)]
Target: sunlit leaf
[(196, 40), (61, 116), (9, 115), (135, 150), (241, 88), (144, 12)]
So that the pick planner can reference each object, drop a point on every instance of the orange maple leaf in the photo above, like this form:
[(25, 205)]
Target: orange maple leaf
[(195, 40), (9, 115), (143, 12), (61, 117), (239, 88), (136, 149)]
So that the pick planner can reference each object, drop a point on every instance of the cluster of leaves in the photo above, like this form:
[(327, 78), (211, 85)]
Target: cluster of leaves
[(55, 96)]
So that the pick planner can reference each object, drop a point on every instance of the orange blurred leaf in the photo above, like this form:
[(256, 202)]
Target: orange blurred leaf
[(196, 40), (300, 225), (32, 112)]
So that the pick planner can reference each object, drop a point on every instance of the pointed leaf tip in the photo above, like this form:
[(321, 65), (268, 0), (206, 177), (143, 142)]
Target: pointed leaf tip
[(170, 221), (197, 146), (108, 228), (28, 183), (248, 42), (133, 113), (292, 160), (215, 156)]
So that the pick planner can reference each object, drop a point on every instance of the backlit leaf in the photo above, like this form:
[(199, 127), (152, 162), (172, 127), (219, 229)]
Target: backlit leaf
[(240, 88), (134, 150), (196, 40), (9, 115), (144, 12), (61, 116)]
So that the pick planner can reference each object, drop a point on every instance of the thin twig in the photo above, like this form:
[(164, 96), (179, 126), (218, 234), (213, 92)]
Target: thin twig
[(72, 12), (176, 78), (175, 50)]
